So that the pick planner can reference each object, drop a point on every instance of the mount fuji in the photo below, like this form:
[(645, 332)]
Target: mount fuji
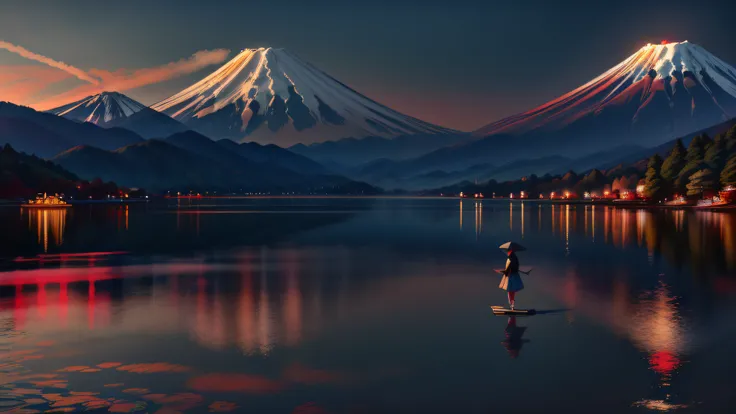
[(113, 109), (660, 93), (272, 96)]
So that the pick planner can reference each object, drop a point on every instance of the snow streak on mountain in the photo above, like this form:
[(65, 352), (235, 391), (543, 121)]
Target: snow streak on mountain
[(271, 95), (101, 109), (659, 93)]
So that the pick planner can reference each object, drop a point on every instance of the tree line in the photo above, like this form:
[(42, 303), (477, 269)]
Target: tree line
[(707, 165)]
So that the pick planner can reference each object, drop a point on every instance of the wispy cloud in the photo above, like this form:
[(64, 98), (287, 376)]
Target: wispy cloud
[(27, 86), (24, 84), (79, 73), (126, 79)]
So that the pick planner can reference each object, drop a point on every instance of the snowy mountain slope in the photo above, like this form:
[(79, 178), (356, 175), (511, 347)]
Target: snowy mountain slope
[(665, 90), (272, 96), (100, 109), (113, 109)]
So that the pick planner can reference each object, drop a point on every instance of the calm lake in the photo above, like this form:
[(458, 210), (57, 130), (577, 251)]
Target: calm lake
[(357, 305)]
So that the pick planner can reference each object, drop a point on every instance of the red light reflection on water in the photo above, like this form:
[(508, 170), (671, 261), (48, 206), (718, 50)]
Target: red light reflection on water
[(664, 362)]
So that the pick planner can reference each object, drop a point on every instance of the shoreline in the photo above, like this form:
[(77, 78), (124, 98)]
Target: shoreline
[(621, 204), (608, 203)]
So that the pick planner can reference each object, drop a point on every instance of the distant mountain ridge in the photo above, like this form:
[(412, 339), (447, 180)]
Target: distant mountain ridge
[(353, 151), (45, 134), (190, 161)]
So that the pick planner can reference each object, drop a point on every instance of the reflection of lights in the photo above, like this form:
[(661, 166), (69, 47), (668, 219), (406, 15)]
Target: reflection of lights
[(657, 325), (592, 221), (567, 230), (659, 405), (522, 219), (478, 218), (664, 362), (49, 222), (511, 216)]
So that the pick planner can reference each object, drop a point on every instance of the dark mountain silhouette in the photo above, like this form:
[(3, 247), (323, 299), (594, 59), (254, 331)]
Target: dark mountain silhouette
[(61, 133), (31, 138), (149, 124), (190, 161), (351, 151), (273, 154), (23, 175)]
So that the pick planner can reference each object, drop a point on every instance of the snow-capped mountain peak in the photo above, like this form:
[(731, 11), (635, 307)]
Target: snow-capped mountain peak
[(672, 58), (271, 95), (101, 109), (660, 92)]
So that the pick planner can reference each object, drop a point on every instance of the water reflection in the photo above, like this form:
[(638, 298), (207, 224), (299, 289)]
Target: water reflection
[(514, 340), (395, 285), (47, 222), (478, 218), (264, 306), (705, 239)]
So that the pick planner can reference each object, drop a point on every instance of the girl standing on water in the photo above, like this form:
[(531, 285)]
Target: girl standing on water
[(511, 281)]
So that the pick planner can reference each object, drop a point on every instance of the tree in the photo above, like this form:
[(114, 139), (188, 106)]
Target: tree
[(672, 166), (694, 162), (700, 181), (595, 180), (715, 155), (728, 175), (696, 149), (705, 141), (653, 185), (730, 139), (616, 185)]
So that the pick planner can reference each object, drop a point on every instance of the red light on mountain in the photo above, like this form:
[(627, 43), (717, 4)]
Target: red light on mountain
[(664, 42)]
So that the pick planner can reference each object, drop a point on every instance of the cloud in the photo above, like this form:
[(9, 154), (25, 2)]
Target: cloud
[(126, 79), (23, 87), (79, 73), (24, 83)]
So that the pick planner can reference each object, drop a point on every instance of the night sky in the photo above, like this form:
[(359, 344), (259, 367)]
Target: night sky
[(458, 63)]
